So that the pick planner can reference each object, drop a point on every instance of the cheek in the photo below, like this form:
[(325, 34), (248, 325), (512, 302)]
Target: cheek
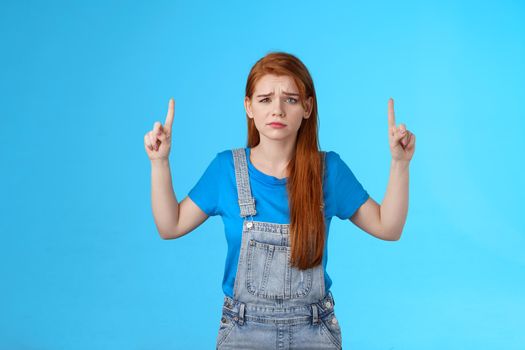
[(298, 124), (258, 121), (257, 114), (298, 119)]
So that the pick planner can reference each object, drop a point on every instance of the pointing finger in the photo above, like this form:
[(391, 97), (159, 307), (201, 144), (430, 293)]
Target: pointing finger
[(391, 116), (169, 117)]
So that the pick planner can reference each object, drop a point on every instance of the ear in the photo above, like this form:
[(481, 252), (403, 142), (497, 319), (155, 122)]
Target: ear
[(248, 106), (309, 104)]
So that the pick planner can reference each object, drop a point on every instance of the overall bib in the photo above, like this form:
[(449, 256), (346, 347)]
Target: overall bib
[(274, 306)]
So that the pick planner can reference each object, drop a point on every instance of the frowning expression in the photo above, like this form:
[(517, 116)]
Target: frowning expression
[(276, 107)]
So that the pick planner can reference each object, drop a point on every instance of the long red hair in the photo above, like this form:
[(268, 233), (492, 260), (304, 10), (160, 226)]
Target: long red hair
[(305, 170)]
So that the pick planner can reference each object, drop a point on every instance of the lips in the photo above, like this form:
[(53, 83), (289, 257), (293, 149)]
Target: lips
[(276, 124)]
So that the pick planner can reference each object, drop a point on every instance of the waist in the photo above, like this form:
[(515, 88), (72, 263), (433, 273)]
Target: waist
[(279, 313)]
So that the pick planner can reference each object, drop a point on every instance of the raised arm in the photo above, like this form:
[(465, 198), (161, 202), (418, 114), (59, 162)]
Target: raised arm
[(386, 221), (173, 219)]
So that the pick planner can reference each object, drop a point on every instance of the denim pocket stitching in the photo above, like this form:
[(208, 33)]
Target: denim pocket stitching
[(330, 330), (271, 250), (225, 332)]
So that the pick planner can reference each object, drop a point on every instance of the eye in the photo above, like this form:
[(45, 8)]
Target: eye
[(264, 99), (294, 100)]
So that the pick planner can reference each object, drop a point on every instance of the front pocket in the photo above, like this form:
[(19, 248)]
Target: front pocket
[(225, 328), (330, 326), (269, 274)]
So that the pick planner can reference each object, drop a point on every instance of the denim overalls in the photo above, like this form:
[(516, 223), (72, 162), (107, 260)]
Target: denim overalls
[(275, 306)]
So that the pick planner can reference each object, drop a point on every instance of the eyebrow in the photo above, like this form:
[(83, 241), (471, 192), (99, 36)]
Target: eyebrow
[(284, 92)]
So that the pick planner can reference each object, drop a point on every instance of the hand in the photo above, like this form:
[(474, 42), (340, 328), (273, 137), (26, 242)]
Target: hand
[(402, 142), (157, 142)]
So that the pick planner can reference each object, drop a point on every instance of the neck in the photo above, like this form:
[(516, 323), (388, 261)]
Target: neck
[(273, 155)]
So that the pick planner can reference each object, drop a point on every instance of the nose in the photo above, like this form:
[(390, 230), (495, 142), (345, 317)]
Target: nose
[(278, 109)]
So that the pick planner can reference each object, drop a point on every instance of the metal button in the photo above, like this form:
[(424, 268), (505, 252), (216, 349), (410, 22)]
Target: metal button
[(224, 319), (236, 318), (328, 304), (334, 320), (252, 242), (249, 225)]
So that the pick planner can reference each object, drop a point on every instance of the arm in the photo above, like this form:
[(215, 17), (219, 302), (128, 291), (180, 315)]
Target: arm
[(172, 219), (386, 221)]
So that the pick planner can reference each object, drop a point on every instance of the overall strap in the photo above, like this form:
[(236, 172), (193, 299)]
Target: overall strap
[(246, 201)]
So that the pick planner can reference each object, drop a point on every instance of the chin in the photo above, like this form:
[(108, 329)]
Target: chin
[(275, 137)]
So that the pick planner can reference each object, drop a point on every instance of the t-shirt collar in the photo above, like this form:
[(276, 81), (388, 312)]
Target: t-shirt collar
[(259, 175)]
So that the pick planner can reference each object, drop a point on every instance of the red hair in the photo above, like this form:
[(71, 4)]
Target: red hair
[(305, 170)]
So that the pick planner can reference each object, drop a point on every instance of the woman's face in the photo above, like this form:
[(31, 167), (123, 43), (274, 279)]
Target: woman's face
[(276, 100)]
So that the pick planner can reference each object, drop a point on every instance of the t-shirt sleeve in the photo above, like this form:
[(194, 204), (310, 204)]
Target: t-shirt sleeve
[(205, 194), (350, 194)]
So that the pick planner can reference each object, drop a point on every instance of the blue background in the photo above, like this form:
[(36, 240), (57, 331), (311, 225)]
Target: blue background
[(81, 263)]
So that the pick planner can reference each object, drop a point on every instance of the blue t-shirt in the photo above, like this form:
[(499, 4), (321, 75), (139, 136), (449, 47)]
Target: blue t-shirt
[(216, 194)]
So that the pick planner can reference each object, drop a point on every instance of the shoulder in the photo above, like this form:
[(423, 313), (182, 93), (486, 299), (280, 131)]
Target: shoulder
[(217, 161), (331, 158), (336, 167), (330, 154), (225, 157), (224, 154)]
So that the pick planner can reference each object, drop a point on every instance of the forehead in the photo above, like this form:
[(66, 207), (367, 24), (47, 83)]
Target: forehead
[(271, 82)]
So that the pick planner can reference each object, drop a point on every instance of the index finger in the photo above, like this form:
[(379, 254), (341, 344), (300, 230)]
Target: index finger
[(391, 116), (169, 117)]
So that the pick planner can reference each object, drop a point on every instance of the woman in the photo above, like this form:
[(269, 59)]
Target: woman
[(277, 197)]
